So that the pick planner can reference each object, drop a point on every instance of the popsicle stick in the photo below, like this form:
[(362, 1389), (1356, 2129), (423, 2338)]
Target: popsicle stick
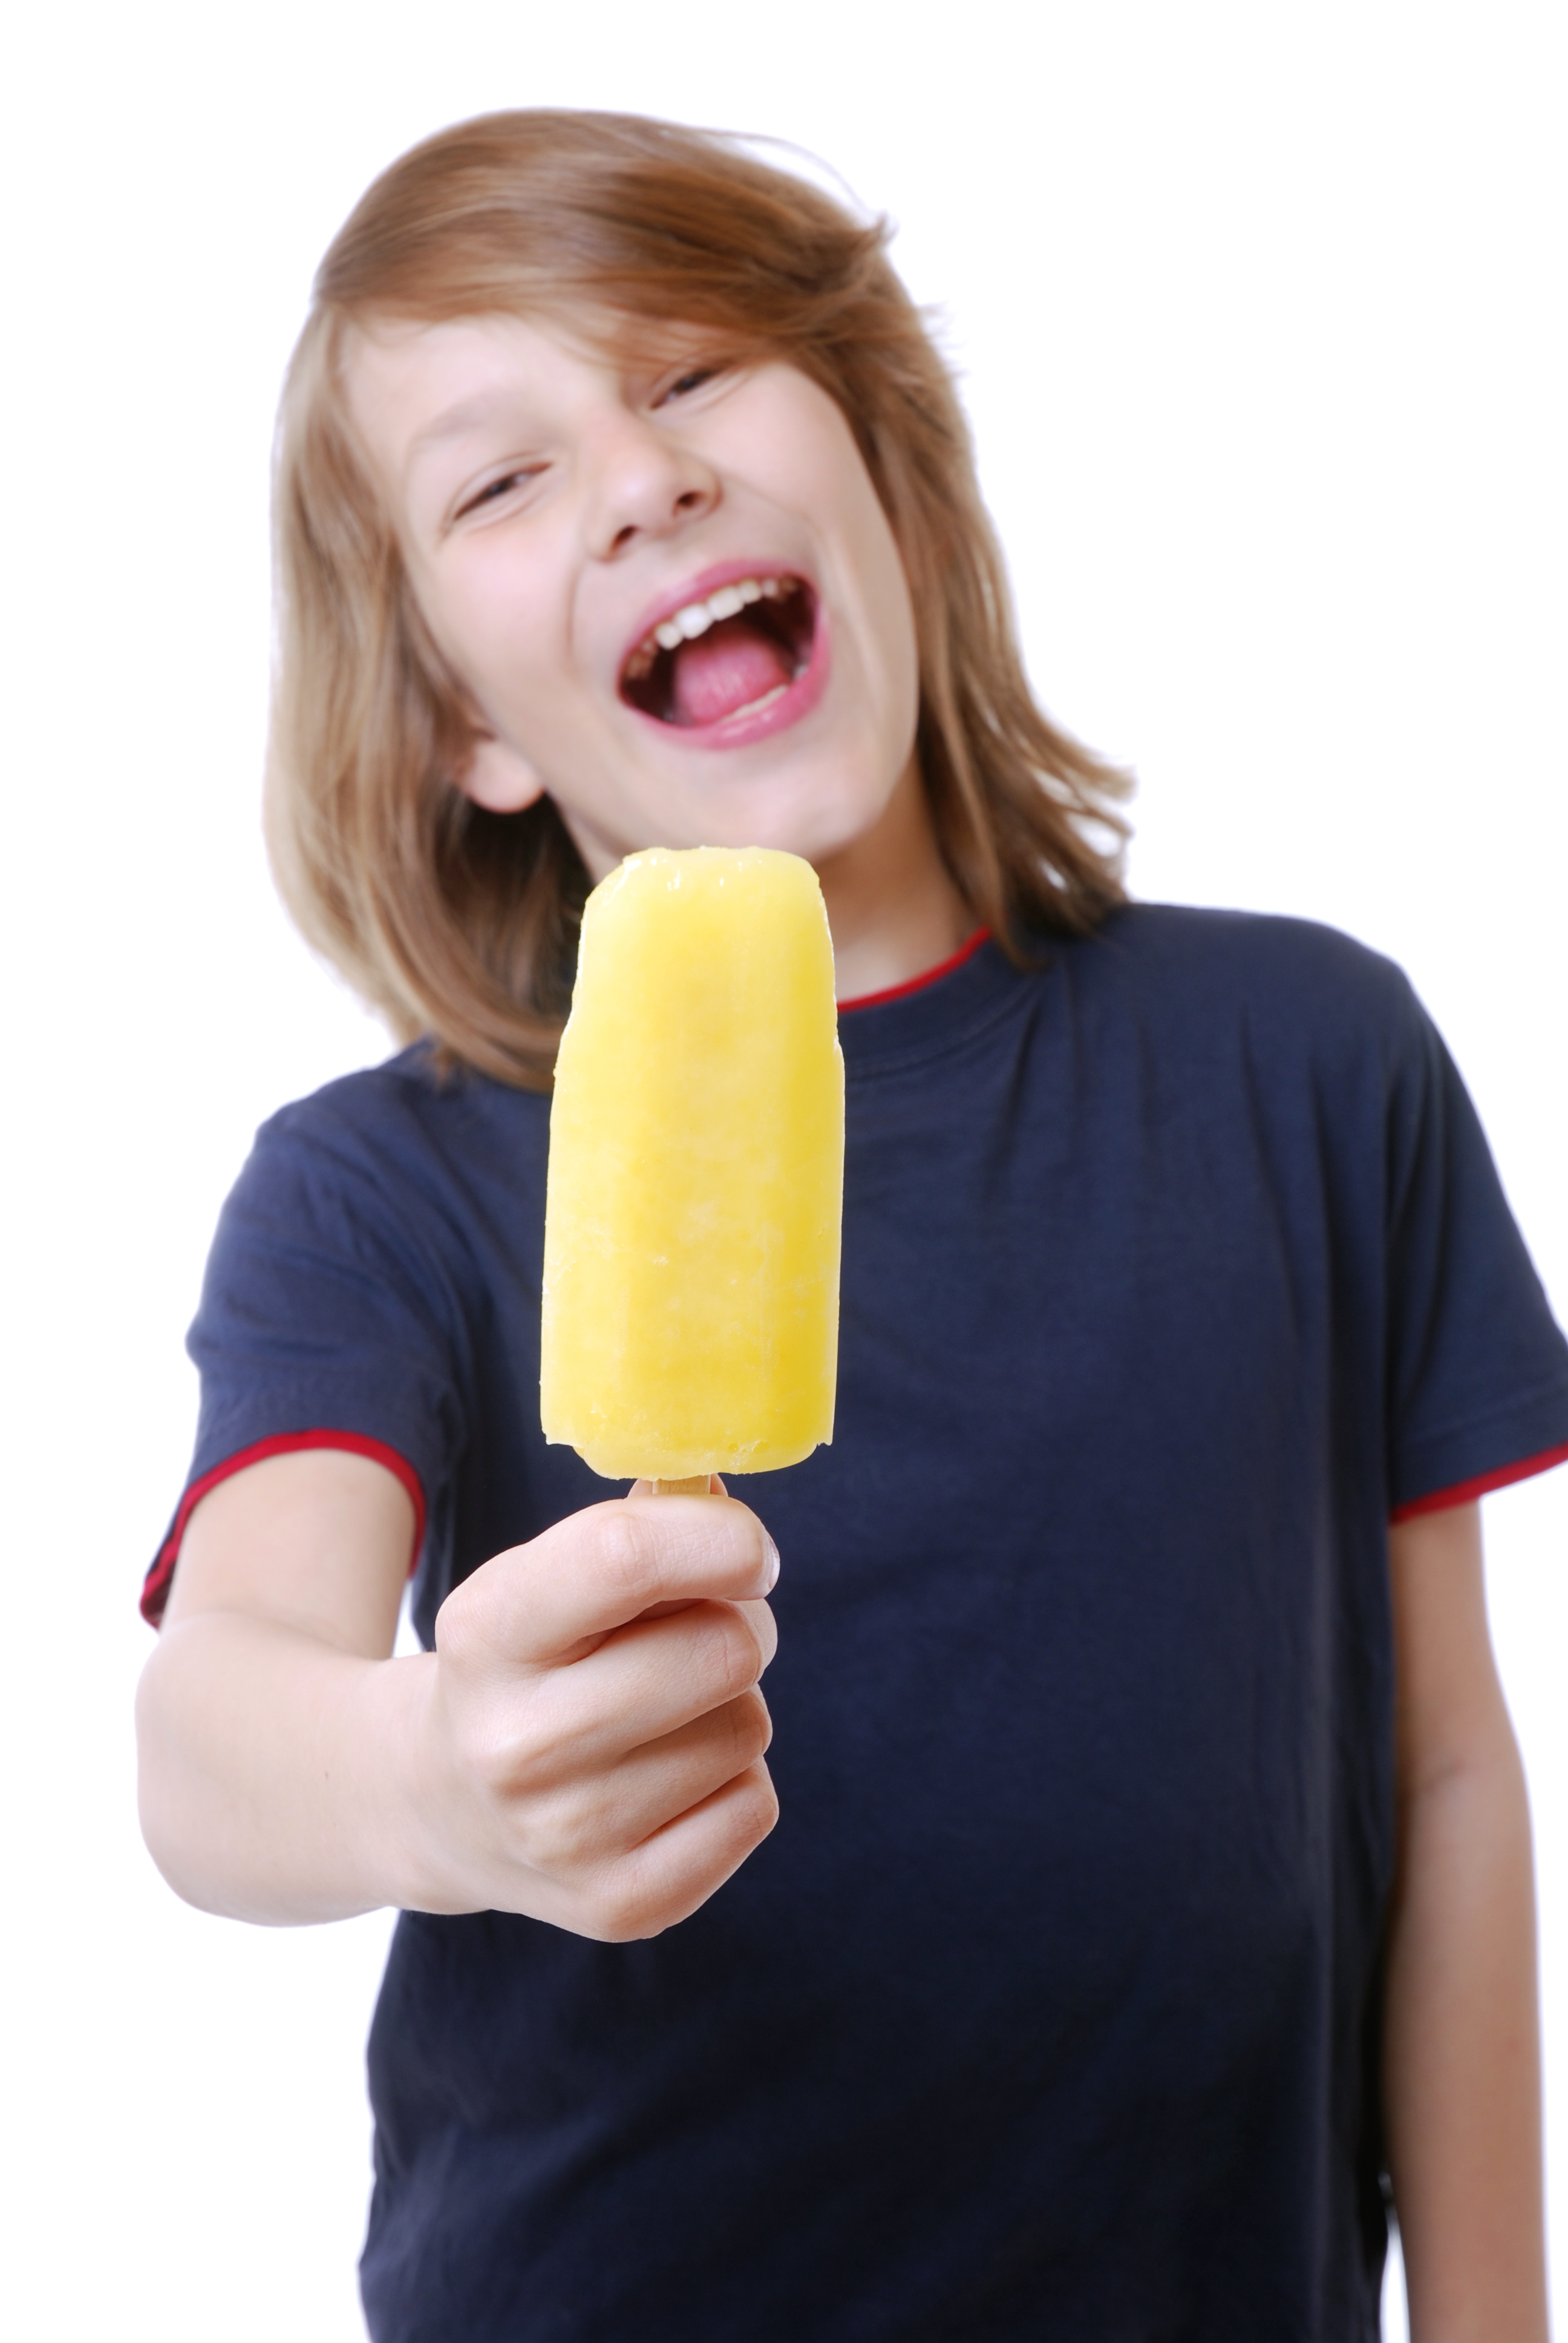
[(696, 1487)]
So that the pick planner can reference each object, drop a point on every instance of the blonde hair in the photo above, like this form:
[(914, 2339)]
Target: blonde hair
[(461, 923)]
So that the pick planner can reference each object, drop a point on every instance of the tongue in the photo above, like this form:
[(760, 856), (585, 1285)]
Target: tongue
[(725, 669)]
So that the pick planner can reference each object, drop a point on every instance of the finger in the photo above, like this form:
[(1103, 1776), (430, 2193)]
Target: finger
[(645, 1488), (588, 1824), (759, 1617), (680, 1866), (642, 1682), (552, 1599)]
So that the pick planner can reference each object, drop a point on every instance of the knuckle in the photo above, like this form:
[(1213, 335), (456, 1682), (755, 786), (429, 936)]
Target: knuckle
[(626, 1908), (509, 1749), (535, 1764), (728, 1653), (750, 1728), (755, 1806), (764, 1628), (457, 1637), (495, 1762), (559, 1835)]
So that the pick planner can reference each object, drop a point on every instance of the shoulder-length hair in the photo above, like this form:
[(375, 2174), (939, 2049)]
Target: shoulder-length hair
[(461, 923)]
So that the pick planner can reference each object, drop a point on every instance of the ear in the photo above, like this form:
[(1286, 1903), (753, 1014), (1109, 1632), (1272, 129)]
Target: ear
[(497, 778)]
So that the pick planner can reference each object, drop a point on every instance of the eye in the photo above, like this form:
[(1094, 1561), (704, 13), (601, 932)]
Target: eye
[(494, 490), (692, 378)]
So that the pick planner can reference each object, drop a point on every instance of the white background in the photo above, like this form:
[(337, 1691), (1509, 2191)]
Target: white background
[(1259, 309)]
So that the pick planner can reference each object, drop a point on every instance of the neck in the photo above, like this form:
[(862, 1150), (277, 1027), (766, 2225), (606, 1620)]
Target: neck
[(891, 902)]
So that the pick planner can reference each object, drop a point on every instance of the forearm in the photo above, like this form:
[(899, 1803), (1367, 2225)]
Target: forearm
[(1461, 2064), (279, 1776), (585, 1745)]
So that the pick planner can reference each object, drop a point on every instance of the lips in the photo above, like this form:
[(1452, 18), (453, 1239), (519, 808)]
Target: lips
[(741, 655)]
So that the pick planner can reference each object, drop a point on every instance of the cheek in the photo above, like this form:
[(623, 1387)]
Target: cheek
[(891, 616), (491, 623), (880, 583)]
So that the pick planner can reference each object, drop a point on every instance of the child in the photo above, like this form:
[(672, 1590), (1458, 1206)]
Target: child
[(1119, 1931)]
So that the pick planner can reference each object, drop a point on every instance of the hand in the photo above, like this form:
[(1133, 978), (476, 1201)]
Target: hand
[(595, 1735)]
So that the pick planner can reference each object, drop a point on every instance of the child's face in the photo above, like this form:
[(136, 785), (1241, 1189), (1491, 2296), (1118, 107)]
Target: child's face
[(557, 507)]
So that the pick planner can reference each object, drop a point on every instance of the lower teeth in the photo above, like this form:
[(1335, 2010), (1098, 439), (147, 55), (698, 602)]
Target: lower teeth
[(752, 706)]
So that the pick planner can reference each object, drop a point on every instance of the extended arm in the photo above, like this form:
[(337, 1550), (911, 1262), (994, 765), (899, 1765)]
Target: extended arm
[(585, 1744), (1462, 2071)]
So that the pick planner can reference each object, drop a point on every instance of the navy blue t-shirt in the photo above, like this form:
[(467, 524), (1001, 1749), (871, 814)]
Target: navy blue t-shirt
[(1172, 1269)]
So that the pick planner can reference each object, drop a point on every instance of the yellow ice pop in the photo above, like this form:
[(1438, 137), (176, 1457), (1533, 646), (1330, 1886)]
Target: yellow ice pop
[(695, 1173)]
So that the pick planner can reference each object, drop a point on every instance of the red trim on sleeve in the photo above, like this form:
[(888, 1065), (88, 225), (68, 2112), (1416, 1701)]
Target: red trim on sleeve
[(918, 983), (1465, 1493), (155, 1592)]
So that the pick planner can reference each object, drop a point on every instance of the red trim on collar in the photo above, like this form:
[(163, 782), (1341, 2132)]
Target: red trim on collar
[(1465, 1493), (918, 983), (159, 1578)]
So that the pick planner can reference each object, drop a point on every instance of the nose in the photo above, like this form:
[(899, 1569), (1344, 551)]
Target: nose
[(644, 481)]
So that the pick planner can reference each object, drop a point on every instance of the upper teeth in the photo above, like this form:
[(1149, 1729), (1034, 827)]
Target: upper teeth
[(696, 618)]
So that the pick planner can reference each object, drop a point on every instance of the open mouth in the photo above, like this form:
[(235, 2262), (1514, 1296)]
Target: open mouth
[(730, 656)]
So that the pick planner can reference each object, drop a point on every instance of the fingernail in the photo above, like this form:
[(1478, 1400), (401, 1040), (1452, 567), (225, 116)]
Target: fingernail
[(770, 1555)]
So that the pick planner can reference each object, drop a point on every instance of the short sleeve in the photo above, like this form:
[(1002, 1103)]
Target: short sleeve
[(1477, 1368), (327, 1318)]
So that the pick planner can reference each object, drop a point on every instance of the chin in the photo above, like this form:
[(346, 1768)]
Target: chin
[(818, 797)]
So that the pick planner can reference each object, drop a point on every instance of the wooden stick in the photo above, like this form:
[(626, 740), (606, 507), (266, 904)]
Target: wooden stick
[(696, 1487)]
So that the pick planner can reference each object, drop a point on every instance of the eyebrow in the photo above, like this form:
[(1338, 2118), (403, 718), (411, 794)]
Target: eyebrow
[(452, 423)]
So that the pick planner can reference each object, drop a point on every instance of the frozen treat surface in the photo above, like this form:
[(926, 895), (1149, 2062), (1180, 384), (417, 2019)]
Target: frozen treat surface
[(696, 1171)]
